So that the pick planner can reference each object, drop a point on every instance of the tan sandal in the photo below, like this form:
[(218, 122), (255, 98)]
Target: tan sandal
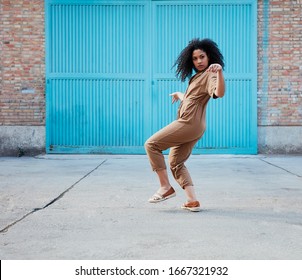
[(157, 197), (193, 206)]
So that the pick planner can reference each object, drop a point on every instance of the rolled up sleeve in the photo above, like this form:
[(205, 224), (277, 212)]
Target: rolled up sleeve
[(212, 85)]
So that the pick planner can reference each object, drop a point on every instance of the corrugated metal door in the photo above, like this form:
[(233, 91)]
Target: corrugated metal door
[(97, 76), (109, 73), (232, 120)]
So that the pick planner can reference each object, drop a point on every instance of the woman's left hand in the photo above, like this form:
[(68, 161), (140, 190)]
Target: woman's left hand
[(214, 68), (177, 96)]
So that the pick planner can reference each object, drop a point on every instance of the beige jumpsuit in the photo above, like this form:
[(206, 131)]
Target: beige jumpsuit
[(182, 134)]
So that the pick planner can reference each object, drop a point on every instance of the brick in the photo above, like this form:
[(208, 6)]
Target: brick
[(22, 47), (284, 60)]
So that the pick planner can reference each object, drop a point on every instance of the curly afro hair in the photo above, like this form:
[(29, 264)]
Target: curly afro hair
[(184, 61)]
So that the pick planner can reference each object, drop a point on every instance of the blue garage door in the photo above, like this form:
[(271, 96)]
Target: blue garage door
[(108, 73)]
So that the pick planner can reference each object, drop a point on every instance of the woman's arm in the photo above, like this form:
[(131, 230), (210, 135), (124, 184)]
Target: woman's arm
[(220, 88), (177, 96)]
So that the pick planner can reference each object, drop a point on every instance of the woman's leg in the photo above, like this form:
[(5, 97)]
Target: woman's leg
[(163, 180), (157, 161), (175, 134), (177, 157)]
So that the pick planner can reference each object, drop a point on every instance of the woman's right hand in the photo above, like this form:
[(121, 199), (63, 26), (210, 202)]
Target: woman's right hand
[(177, 96)]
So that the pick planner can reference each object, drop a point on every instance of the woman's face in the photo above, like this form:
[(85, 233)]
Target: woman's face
[(200, 60)]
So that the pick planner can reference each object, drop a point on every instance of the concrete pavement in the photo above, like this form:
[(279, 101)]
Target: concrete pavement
[(95, 207)]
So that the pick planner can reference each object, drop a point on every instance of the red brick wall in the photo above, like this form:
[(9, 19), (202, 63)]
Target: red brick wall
[(280, 63), (22, 66)]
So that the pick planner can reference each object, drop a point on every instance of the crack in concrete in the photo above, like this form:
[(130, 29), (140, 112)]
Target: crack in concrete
[(5, 229), (277, 166)]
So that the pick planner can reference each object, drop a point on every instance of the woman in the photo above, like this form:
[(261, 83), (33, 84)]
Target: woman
[(204, 57)]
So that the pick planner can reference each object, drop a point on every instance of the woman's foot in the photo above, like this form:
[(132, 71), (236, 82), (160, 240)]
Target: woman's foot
[(193, 206), (162, 194)]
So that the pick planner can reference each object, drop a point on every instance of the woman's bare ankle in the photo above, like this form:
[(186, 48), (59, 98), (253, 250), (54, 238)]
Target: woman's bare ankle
[(190, 193), (164, 189)]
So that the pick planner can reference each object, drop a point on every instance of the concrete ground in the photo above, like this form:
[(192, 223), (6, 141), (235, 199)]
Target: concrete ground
[(90, 207)]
